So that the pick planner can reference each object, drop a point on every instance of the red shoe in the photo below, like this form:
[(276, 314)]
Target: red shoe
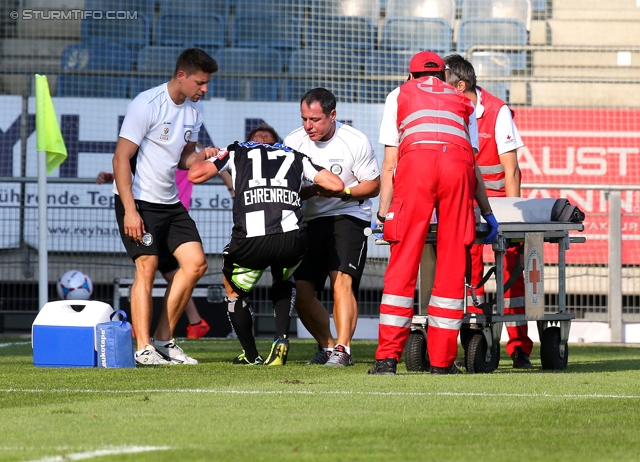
[(198, 330)]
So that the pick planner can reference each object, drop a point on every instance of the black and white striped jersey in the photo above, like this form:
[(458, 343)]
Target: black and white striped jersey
[(267, 181)]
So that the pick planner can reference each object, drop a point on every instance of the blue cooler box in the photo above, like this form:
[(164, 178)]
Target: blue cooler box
[(63, 337)]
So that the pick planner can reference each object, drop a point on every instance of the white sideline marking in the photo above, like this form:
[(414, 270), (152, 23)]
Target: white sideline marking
[(14, 343), (308, 392), (103, 452)]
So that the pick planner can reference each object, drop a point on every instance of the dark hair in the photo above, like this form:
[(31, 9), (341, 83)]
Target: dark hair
[(438, 74), (193, 60), (264, 128), (458, 69), (323, 96)]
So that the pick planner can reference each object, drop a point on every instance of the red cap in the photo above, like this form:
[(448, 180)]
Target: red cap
[(426, 61)]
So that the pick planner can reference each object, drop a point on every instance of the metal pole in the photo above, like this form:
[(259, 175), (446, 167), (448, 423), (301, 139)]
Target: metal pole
[(615, 268), (43, 277)]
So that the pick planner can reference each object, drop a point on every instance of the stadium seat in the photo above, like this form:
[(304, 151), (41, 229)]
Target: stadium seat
[(432, 34), (132, 33), (443, 9), (220, 7), (492, 64), (94, 57), (191, 28), (239, 79), (259, 30), (494, 32), (379, 66), (505, 9), (369, 9), (144, 7), (333, 68), (354, 33), (157, 59), (296, 8)]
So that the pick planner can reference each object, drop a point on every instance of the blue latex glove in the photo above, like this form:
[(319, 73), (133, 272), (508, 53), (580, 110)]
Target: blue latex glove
[(493, 224), (375, 225)]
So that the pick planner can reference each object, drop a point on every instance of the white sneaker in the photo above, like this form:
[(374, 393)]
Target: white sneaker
[(173, 353), (149, 356)]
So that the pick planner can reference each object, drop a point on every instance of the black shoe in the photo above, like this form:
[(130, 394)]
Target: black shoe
[(462, 362), (520, 359), (384, 367), (453, 369)]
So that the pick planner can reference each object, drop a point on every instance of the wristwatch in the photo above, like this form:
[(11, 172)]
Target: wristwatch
[(347, 195)]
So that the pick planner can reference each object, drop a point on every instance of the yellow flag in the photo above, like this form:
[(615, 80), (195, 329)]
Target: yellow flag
[(48, 136)]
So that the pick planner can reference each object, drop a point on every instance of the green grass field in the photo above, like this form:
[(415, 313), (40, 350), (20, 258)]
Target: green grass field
[(220, 411)]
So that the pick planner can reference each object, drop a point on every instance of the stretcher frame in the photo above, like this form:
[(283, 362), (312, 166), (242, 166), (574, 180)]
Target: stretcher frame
[(480, 333)]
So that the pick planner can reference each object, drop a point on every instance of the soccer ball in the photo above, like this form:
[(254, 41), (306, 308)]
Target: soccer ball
[(74, 285)]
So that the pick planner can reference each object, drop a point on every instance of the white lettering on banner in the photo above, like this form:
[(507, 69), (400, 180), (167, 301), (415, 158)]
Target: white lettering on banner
[(103, 348), (583, 161)]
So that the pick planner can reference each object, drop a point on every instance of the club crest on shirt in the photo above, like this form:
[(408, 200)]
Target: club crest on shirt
[(164, 136), (187, 135), (336, 169)]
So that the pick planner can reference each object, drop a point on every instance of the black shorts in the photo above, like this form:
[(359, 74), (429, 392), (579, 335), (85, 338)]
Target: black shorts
[(168, 224), (245, 259), (336, 243)]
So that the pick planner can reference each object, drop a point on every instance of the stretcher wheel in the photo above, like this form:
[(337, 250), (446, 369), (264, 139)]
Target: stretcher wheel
[(476, 355), (416, 356), (551, 357)]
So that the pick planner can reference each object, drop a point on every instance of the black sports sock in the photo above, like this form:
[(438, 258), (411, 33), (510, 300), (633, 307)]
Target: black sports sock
[(283, 295), (241, 317)]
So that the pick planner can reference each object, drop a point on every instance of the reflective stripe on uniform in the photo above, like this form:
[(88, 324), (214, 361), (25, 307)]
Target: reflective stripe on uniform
[(494, 184), (397, 321), (470, 299), (397, 300), (431, 113), (437, 128), (490, 169), (447, 303), (445, 323)]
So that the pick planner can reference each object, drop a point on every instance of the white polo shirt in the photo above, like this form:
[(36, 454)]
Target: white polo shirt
[(161, 129), (349, 155)]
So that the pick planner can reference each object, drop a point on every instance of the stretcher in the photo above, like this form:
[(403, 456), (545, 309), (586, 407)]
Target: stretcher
[(530, 222)]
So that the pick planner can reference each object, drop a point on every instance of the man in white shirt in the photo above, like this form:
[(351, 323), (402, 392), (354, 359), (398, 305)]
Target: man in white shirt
[(336, 222), (159, 135)]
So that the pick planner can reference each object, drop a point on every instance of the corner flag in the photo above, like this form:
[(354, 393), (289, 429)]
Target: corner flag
[(48, 136)]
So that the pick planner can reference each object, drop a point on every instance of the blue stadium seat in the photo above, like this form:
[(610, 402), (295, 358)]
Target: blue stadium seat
[(352, 32), (132, 33), (492, 64), (443, 9), (296, 8), (505, 9), (220, 7), (191, 28), (379, 66), (144, 7), (94, 57), (278, 31), (539, 6), (369, 9), (157, 59), (494, 32), (432, 34), (331, 68), (243, 67)]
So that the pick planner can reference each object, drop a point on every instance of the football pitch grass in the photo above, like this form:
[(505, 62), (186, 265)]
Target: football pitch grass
[(220, 411)]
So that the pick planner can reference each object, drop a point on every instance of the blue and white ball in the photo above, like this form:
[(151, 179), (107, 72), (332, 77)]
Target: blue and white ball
[(74, 285)]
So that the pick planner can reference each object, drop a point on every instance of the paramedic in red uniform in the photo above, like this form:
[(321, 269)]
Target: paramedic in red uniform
[(498, 163), (428, 129)]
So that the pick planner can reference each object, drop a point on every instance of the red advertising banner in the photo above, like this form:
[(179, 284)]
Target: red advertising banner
[(585, 147)]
